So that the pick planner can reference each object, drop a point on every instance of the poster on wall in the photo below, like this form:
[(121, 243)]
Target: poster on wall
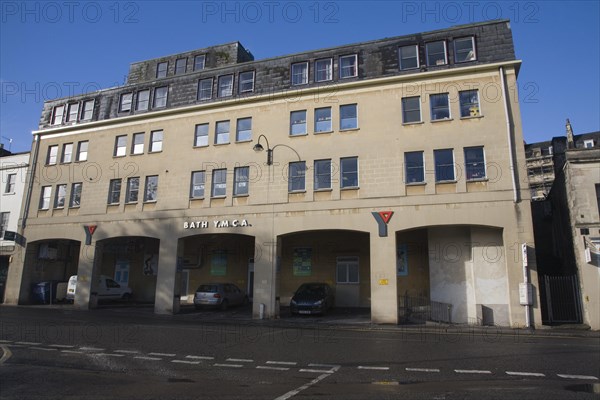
[(218, 263), (122, 272), (302, 261), (150, 264), (402, 259)]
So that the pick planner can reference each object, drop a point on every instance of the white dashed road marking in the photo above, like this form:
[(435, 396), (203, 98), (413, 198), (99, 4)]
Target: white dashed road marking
[(200, 357), (374, 368), (147, 358), (43, 349), (185, 362), (61, 346), (272, 368), (5, 341), (524, 373), (228, 365), (472, 371), (422, 370), (162, 354), (108, 355), (586, 377), (242, 360), (281, 362), (127, 351), (91, 349), (71, 352), (29, 343), (317, 371)]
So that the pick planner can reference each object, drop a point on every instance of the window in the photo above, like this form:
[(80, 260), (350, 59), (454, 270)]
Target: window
[(297, 174), (225, 88), (143, 100), (180, 65), (75, 200), (160, 97), (57, 115), (45, 197), (137, 145), (133, 188), (324, 70), (469, 103), (444, 165), (67, 153), (347, 270), (322, 174), (298, 123), (244, 130), (161, 69), (156, 141), (440, 107), (88, 110), (409, 57), (73, 112), (11, 182), (120, 146), (348, 67), (300, 73), (349, 172), (241, 179), (588, 144), (474, 163), (197, 187), (114, 191), (464, 49), (151, 188), (201, 135), (52, 155), (60, 195), (436, 53), (125, 102), (246, 82), (222, 132), (205, 89), (323, 120), (199, 62), (219, 183), (348, 117), (411, 109), (3, 223), (414, 167)]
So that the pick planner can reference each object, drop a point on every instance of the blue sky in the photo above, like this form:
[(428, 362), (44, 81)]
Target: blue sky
[(52, 49)]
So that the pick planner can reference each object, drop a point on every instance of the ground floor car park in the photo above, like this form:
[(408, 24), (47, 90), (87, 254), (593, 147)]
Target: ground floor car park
[(387, 259)]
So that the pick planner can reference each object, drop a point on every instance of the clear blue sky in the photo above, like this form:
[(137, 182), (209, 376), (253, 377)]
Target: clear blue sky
[(57, 48)]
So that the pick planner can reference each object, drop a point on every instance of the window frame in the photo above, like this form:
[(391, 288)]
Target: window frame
[(159, 133), (196, 136), (66, 156), (52, 156), (427, 53), (330, 71), (220, 173), (76, 190), (57, 117), (474, 164), (199, 96), (220, 92), (405, 111), (317, 175), (4, 218), (438, 166), (241, 182), (71, 112), (473, 49), (194, 183), (60, 196), (112, 190), (136, 147), (469, 104), (242, 82), (341, 68), (304, 75), (125, 102), (238, 131), (11, 184), (292, 124), (45, 197), (196, 58), (439, 109), (416, 57), (410, 166), (343, 106), (293, 177), (130, 190), (328, 121), (151, 192), (178, 66), (139, 102), (122, 147), (162, 72), (220, 135), (346, 261), (157, 98), (343, 173), (85, 110)]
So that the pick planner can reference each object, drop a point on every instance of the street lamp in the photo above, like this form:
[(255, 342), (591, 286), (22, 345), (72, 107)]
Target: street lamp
[(259, 147)]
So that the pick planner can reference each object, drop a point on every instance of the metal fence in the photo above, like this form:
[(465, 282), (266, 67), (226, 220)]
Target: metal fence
[(415, 310), (561, 298)]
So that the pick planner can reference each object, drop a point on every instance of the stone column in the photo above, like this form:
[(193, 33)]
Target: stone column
[(265, 277), (166, 299), (384, 296), (86, 295)]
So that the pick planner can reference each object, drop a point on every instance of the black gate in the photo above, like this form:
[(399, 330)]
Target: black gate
[(562, 300)]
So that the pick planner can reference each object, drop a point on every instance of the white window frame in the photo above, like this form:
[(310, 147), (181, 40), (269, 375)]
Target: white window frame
[(435, 166), (432, 112), (588, 143), (131, 189), (400, 58), (222, 136), (200, 183), (178, 66), (125, 102), (157, 99), (58, 113), (156, 141), (445, 53), (198, 57), (328, 70), (473, 50), (11, 183), (75, 197), (472, 110), (151, 189), (120, 150), (60, 196), (45, 196), (241, 181), (52, 157), (142, 103), (347, 261), (67, 153), (247, 132), (342, 68), (112, 190), (292, 124), (87, 111), (225, 89), (73, 112), (204, 136), (4, 217), (243, 82), (404, 110), (137, 146), (160, 72), (222, 185), (483, 161), (201, 91), (326, 122), (302, 74)]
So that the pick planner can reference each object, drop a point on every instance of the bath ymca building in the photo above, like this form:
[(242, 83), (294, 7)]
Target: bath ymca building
[(392, 170)]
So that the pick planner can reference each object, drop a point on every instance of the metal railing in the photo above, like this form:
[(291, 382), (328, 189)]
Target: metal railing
[(415, 310)]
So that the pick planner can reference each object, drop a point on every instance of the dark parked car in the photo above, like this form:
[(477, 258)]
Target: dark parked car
[(312, 298), (220, 295)]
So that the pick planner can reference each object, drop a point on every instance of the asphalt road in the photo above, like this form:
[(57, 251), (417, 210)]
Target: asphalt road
[(131, 354)]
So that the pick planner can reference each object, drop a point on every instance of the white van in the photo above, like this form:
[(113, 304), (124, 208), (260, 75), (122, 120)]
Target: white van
[(107, 289)]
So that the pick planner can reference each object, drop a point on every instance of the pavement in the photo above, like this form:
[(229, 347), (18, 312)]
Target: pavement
[(337, 318)]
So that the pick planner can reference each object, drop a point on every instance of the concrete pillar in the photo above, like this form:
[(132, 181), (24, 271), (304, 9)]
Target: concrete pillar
[(384, 296), (167, 297), (88, 272), (265, 277), (16, 292)]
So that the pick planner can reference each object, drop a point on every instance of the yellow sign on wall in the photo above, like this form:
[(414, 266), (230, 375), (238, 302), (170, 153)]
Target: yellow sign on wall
[(383, 282)]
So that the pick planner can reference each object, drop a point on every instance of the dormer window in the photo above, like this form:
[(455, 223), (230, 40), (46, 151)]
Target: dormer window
[(199, 62), (409, 57), (73, 112), (588, 144), (246, 82), (57, 115), (161, 69), (464, 50), (324, 70), (125, 103), (180, 65), (436, 53), (348, 66), (225, 88), (300, 73)]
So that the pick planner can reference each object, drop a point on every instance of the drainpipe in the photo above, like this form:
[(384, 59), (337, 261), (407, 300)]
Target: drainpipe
[(33, 166), (508, 137)]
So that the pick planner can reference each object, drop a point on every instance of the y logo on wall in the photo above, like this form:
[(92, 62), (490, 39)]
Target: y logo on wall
[(89, 231), (383, 218)]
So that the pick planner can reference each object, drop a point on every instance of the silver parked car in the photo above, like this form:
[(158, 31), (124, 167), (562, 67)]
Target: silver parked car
[(220, 295)]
